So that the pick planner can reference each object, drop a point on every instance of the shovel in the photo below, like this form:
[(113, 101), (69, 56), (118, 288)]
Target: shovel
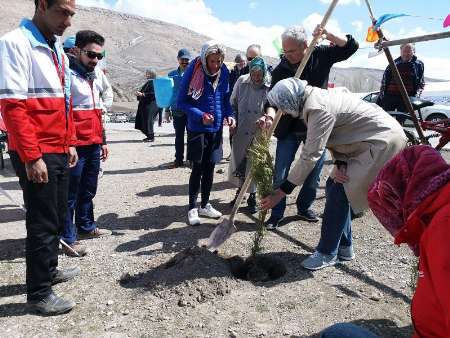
[(226, 228)]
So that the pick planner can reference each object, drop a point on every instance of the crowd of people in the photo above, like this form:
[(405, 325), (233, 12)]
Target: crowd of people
[(52, 97)]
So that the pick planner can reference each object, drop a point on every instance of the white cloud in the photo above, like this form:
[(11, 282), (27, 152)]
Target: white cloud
[(195, 15), (358, 25), (253, 4)]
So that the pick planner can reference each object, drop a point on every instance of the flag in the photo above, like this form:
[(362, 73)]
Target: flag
[(386, 17), (372, 35), (447, 21)]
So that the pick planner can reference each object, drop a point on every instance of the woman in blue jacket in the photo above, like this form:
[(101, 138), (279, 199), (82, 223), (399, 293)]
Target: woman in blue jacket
[(205, 97)]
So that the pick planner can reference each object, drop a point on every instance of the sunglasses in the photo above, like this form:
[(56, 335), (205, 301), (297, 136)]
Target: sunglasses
[(92, 55), (249, 59)]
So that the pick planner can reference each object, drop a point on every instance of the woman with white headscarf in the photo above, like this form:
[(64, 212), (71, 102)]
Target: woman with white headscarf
[(247, 100), (361, 138), (205, 97)]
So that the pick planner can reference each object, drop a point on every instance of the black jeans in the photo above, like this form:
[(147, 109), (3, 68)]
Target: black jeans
[(202, 172), (179, 123), (204, 150), (46, 205)]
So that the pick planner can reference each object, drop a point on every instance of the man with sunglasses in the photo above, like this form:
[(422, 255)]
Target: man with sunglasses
[(35, 101), (86, 87)]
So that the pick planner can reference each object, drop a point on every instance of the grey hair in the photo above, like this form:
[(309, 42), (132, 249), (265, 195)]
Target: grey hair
[(152, 72), (296, 33), (254, 45), (413, 46)]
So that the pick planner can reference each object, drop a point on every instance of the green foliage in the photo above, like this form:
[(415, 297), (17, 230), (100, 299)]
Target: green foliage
[(262, 173)]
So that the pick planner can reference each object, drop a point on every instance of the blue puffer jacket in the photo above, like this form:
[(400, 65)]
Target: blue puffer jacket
[(215, 102)]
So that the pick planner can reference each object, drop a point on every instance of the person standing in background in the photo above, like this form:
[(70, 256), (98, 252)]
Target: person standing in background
[(179, 116), (411, 71)]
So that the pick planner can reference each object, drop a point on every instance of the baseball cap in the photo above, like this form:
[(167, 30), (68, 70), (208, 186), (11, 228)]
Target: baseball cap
[(183, 53), (69, 42)]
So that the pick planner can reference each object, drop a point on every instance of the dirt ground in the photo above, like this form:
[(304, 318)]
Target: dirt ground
[(126, 289)]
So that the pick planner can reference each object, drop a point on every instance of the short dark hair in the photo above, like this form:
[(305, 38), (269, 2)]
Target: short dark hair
[(83, 38), (49, 2)]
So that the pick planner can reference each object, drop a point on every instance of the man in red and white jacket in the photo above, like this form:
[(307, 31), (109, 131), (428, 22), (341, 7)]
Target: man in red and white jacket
[(35, 102), (86, 86)]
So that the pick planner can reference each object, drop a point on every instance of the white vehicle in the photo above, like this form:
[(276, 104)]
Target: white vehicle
[(121, 118), (431, 113)]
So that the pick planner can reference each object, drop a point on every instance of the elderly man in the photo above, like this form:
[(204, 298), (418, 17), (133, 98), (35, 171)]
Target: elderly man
[(35, 101), (292, 132), (411, 71), (361, 138)]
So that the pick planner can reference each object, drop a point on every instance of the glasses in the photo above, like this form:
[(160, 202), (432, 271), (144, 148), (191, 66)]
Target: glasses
[(92, 55)]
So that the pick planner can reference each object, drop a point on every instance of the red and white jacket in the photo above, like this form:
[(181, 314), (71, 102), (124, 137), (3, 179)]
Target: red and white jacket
[(35, 94), (87, 108)]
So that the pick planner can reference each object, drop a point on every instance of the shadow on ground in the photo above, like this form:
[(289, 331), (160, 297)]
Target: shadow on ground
[(11, 213), (381, 327), (179, 190), (11, 249)]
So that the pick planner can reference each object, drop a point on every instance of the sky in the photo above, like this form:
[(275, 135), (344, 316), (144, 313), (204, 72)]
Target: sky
[(240, 23)]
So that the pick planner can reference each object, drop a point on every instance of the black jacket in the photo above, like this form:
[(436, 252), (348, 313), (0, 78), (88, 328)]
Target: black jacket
[(316, 73)]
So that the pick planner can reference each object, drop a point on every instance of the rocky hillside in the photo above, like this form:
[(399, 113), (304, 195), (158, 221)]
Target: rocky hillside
[(135, 43)]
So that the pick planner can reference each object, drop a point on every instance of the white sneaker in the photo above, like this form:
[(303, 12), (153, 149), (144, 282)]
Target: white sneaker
[(193, 217), (209, 211)]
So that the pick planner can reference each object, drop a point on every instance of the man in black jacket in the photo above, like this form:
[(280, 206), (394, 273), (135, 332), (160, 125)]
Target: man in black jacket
[(292, 132)]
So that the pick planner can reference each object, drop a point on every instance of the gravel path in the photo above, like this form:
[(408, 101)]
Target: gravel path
[(126, 289)]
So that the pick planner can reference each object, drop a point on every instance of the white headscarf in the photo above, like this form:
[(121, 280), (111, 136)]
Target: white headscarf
[(211, 47), (288, 95)]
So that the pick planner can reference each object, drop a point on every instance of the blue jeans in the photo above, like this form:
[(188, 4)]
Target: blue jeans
[(347, 330), (336, 224), (179, 124), (82, 189), (285, 155)]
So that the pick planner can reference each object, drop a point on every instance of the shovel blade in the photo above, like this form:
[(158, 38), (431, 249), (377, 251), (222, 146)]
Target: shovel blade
[(220, 234)]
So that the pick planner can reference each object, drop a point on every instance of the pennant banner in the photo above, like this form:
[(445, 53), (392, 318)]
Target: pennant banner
[(386, 17), (447, 21)]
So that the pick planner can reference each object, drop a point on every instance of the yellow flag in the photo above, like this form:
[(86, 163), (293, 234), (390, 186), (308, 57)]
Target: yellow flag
[(372, 35)]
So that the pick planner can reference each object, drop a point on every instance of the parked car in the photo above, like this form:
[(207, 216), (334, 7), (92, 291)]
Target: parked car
[(120, 117), (430, 112)]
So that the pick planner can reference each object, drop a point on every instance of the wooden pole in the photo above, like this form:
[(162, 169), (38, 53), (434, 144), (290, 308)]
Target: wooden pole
[(413, 39), (399, 80), (225, 227)]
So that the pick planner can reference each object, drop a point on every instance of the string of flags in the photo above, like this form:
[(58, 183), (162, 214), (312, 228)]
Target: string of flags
[(372, 35)]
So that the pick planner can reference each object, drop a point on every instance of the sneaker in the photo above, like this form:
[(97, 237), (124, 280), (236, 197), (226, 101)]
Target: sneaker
[(96, 233), (209, 211), (65, 275), (345, 253), (318, 261), (81, 250), (193, 217), (51, 305), (272, 223), (308, 215)]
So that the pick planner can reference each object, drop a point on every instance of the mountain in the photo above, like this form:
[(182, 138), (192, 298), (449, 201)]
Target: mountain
[(135, 43)]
